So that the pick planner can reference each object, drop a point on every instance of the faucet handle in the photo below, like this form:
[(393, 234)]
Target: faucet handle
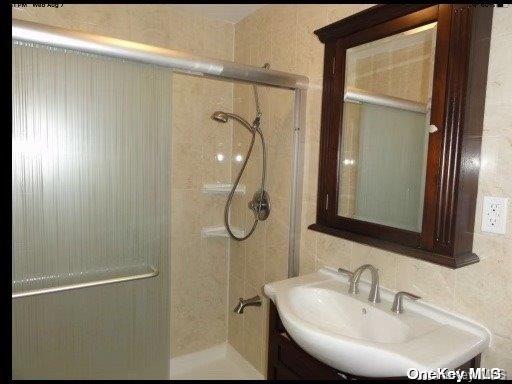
[(398, 306)]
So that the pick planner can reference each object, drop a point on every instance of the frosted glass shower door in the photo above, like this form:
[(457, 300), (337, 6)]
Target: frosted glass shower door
[(90, 199)]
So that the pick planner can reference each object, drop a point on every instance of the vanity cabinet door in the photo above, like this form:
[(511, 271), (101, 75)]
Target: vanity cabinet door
[(288, 361), (299, 363)]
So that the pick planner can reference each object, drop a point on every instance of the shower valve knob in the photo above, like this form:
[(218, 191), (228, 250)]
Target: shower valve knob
[(260, 205)]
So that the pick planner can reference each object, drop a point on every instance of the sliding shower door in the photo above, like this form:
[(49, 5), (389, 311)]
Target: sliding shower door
[(90, 200)]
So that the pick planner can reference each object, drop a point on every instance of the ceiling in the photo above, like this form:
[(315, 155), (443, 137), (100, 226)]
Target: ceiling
[(231, 13)]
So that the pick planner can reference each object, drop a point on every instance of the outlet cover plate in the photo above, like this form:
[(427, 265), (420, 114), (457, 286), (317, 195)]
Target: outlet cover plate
[(494, 215)]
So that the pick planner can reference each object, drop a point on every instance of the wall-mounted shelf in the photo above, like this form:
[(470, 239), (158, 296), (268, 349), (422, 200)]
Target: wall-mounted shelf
[(222, 189), (220, 231), (69, 282)]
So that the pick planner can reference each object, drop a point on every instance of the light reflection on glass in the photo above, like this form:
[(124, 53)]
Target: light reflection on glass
[(27, 148)]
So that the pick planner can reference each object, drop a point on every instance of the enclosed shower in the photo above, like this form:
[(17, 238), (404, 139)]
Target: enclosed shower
[(137, 172)]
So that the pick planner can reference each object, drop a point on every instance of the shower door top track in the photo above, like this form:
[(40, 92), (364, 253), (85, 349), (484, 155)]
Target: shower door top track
[(176, 60)]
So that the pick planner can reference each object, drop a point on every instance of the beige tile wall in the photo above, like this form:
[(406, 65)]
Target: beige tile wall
[(199, 266), (264, 256), (280, 35), (482, 291)]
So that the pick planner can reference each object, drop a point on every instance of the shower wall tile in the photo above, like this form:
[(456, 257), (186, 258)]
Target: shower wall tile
[(218, 41), (198, 316), (237, 259), (254, 276), (310, 18), (109, 20), (187, 111), (149, 24), (186, 158), (238, 211), (214, 162), (255, 253), (269, 35), (283, 24), (235, 321), (62, 17), (203, 156), (253, 330), (253, 347)]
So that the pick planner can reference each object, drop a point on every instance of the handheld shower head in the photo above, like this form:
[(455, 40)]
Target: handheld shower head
[(223, 117), (220, 116)]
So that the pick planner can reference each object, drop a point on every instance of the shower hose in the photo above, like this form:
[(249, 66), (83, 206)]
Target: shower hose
[(255, 129)]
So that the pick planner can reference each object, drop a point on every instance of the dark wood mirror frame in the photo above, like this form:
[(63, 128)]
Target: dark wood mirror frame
[(458, 100)]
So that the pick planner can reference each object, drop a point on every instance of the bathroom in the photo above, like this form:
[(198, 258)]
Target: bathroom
[(171, 174)]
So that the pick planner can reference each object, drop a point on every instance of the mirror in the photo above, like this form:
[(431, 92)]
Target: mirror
[(385, 128)]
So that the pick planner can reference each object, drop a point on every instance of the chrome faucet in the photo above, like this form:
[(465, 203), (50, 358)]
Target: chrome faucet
[(374, 291), (346, 272), (398, 305), (253, 301)]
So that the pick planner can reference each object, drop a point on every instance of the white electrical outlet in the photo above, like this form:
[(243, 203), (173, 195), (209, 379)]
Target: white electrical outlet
[(494, 215)]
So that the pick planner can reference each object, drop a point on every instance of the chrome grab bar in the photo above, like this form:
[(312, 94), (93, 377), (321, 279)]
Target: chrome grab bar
[(151, 273)]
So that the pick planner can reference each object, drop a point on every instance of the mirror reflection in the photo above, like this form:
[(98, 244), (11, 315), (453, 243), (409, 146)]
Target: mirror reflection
[(385, 128)]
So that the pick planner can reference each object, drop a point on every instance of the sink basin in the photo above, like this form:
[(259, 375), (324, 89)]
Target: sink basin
[(351, 334), (346, 316)]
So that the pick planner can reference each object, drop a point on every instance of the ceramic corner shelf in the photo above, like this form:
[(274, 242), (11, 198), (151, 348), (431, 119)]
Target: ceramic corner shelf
[(220, 231), (222, 188)]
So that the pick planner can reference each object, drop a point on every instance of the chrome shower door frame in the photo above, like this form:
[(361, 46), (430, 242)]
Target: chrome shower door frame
[(199, 66)]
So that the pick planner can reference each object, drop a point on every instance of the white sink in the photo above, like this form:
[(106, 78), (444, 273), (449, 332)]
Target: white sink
[(351, 334)]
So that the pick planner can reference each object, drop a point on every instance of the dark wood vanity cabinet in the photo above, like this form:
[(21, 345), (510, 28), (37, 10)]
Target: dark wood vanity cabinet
[(288, 361), (439, 188)]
